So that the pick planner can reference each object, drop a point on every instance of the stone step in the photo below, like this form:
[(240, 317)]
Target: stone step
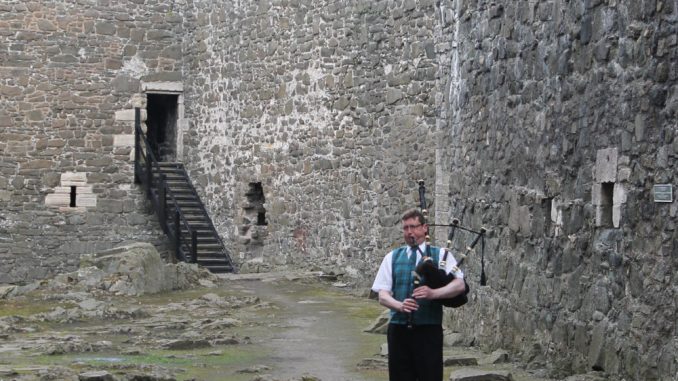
[(473, 374)]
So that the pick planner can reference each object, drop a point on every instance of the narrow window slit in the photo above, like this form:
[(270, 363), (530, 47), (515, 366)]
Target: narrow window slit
[(606, 203), (73, 196), (255, 198)]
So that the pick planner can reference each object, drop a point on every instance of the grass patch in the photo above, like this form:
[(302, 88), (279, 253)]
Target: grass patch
[(24, 309), (188, 364)]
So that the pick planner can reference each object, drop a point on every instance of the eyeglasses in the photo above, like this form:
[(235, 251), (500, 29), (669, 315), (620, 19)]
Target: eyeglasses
[(410, 227)]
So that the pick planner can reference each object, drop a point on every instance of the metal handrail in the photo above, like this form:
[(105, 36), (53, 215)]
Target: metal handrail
[(139, 135), (162, 184), (188, 243), (202, 206)]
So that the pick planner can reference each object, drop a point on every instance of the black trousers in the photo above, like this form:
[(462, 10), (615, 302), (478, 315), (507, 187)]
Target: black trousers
[(415, 354)]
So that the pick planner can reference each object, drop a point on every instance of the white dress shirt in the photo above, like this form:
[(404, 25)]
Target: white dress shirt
[(384, 278)]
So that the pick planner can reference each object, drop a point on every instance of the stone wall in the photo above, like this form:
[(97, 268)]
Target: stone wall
[(68, 74), (329, 105), (561, 117), (307, 123)]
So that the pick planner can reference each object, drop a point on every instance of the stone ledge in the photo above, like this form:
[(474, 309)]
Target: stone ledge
[(176, 87), (123, 140)]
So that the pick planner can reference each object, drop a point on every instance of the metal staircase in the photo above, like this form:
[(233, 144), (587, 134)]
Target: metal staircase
[(181, 213)]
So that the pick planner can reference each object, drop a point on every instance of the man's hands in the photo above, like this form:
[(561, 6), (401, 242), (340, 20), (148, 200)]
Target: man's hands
[(409, 305), (423, 292)]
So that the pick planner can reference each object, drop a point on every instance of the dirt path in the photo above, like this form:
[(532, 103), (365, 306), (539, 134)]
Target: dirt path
[(281, 327), (266, 327), (317, 331)]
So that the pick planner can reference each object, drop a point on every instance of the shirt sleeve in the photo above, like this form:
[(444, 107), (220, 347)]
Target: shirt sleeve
[(384, 278), (450, 263)]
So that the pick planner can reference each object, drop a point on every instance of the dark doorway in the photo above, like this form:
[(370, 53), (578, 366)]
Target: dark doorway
[(162, 125), (255, 209)]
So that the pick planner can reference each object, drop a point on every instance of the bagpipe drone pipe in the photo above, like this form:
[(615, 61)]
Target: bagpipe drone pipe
[(428, 273)]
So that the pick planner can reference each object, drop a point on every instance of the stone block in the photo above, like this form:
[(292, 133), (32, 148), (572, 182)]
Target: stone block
[(136, 219), (5, 120), (37, 164), (595, 194), (606, 165), (618, 199), (624, 174), (663, 156), (597, 347), (105, 28), (393, 95), (125, 115), (86, 201), (460, 361), (97, 375), (123, 140), (110, 206), (165, 76), (69, 179), (499, 356), (58, 199), (85, 197), (618, 195), (162, 86), (599, 216), (472, 374), (639, 128)]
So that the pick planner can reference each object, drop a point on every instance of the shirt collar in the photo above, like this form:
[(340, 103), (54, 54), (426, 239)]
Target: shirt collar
[(422, 247)]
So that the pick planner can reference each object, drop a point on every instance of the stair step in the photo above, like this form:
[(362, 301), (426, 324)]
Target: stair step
[(196, 217), (204, 240), (220, 269), (200, 226), (201, 233), (214, 264), (181, 194), (216, 261), (216, 256), (170, 174), (195, 221), (185, 208), (209, 247)]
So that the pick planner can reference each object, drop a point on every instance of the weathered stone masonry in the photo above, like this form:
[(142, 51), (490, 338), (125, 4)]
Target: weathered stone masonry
[(549, 122), (330, 105), (561, 119), (69, 74)]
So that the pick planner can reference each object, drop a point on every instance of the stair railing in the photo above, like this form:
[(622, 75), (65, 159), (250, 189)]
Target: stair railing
[(201, 206), (144, 165)]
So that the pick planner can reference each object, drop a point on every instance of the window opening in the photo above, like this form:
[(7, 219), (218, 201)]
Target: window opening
[(606, 203), (73, 196), (255, 199)]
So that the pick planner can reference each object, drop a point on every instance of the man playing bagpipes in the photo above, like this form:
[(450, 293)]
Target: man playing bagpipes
[(415, 333)]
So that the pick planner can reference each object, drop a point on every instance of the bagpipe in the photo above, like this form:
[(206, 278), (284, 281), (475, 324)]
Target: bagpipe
[(428, 273)]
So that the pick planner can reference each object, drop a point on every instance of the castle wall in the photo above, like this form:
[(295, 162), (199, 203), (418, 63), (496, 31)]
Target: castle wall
[(561, 119), (307, 124), (331, 106), (69, 74), (549, 123)]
